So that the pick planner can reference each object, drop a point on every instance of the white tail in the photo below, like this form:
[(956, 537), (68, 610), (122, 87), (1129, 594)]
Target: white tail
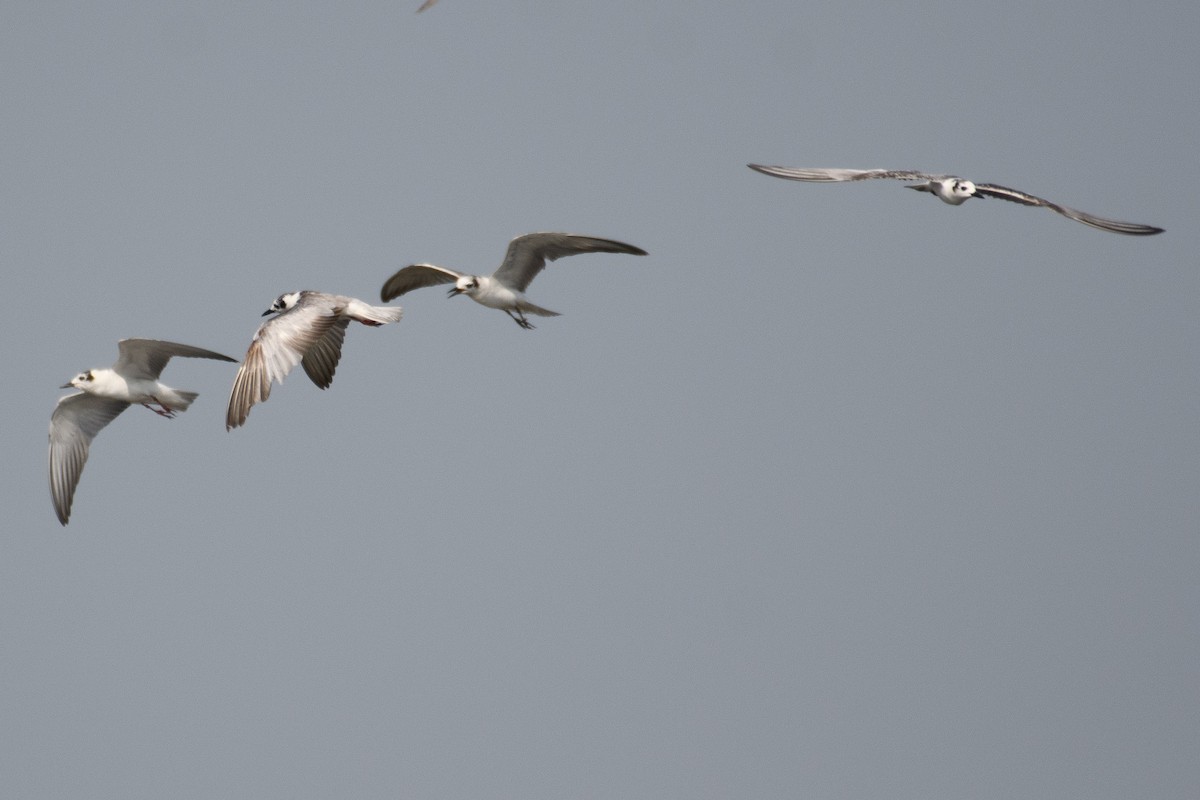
[(180, 399), (373, 315)]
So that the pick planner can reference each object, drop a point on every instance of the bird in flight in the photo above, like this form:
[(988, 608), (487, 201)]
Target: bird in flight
[(953, 190), (425, 5), (308, 329), (78, 417), (505, 288)]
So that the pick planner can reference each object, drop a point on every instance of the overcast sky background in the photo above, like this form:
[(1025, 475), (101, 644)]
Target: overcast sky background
[(841, 492)]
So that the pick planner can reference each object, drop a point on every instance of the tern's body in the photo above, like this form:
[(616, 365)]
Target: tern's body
[(953, 190), (110, 384), (78, 417), (308, 329), (505, 288), (487, 291)]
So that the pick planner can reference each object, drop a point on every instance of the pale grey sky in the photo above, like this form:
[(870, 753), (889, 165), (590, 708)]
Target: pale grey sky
[(839, 493)]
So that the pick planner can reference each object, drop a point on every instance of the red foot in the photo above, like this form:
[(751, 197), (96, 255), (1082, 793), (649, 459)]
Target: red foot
[(165, 412)]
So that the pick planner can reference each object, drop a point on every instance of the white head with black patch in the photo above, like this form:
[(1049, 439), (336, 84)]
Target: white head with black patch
[(956, 190), (81, 381), (283, 303)]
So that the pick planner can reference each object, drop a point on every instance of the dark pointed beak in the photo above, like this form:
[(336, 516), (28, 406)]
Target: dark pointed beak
[(454, 291), (65, 386), (268, 311)]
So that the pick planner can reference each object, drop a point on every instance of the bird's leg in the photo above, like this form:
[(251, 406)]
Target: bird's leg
[(519, 318), (164, 412)]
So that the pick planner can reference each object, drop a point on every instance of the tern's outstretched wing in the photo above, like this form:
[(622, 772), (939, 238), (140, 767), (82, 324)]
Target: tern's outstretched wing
[(416, 276), (822, 175), (1116, 226), (75, 422), (527, 255), (146, 358), (322, 358)]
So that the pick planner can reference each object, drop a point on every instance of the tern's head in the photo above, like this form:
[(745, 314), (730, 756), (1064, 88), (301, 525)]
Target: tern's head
[(81, 381), (283, 303), (956, 190), (466, 284)]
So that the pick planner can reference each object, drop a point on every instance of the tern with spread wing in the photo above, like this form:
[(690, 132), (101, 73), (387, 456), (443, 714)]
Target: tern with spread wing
[(106, 393), (505, 288), (308, 329), (953, 190)]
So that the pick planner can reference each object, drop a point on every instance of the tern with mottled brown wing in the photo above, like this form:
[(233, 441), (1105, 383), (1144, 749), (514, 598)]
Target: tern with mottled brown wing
[(308, 329)]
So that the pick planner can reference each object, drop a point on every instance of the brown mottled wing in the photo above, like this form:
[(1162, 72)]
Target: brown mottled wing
[(322, 358), (278, 346)]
